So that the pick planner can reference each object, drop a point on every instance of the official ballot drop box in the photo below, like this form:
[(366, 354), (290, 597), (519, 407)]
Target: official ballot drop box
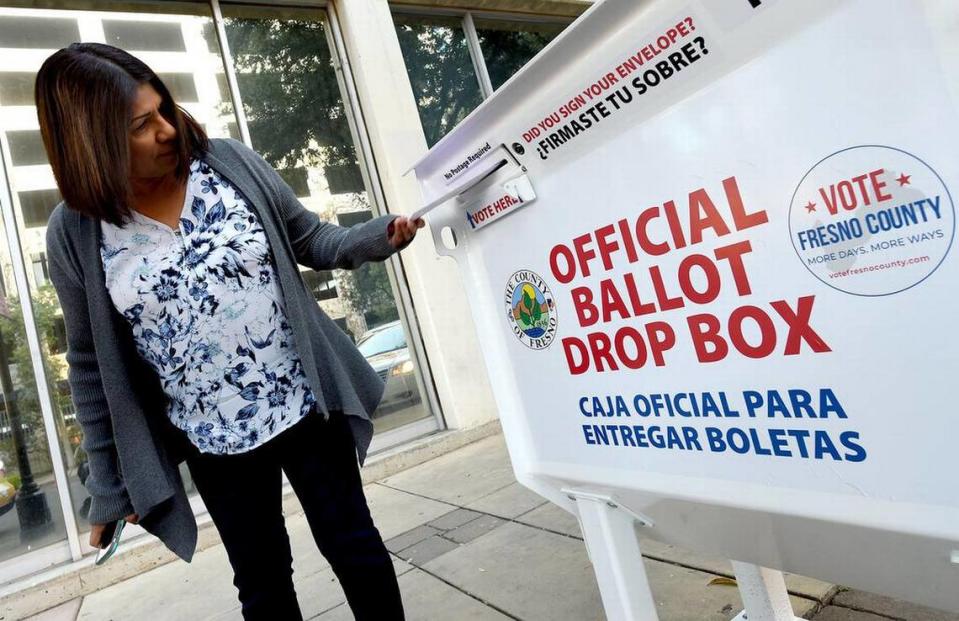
[(708, 250)]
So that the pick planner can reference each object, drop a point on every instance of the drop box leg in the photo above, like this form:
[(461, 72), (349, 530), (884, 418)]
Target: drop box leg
[(617, 560), (764, 594)]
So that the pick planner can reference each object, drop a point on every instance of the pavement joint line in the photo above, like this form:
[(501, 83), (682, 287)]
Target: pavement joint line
[(505, 519), (499, 489), (871, 612), (821, 603), (320, 614), (466, 593)]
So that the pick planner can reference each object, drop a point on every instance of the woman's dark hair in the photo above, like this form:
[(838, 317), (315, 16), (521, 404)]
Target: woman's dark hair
[(84, 95)]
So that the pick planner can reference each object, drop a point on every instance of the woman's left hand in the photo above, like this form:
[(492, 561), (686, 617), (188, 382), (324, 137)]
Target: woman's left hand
[(402, 230)]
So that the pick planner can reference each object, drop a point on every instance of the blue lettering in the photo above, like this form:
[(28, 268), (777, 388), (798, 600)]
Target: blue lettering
[(828, 403), (824, 445), (754, 401), (779, 443), (848, 440), (715, 438)]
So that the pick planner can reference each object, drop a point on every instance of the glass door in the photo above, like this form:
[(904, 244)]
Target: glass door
[(299, 122)]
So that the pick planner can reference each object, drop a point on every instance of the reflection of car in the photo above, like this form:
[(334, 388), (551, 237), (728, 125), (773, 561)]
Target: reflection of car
[(384, 347), (8, 493)]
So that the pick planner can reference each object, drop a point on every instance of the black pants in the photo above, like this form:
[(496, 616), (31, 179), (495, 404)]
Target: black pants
[(243, 495)]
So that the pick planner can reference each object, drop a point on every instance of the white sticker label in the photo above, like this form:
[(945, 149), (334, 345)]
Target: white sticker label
[(500, 201)]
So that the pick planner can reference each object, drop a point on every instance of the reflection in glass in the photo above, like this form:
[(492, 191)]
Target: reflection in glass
[(176, 45), (298, 123), (508, 45), (440, 69), (30, 512)]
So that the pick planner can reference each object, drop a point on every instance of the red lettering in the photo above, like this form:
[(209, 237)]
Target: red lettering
[(704, 329), (877, 185), (665, 302), (600, 347), (612, 302), (741, 219), (704, 215), (583, 254), (642, 233), (712, 279), (606, 247), (734, 254), (634, 335), (661, 338), (563, 276), (861, 180), (627, 240), (799, 328), (571, 347), (672, 218), (829, 200), (767, 342), (586, 312), (639, 308)]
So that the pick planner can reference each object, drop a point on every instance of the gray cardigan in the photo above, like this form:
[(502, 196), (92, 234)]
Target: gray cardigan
[(132, 447)]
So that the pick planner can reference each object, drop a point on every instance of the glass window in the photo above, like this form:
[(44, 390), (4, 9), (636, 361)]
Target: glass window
[(322, 284), (37, 205), (508, 45), (176, 44), (297, 178), (41, 275), (144, 36), (30, 511), (440, 69), (298, 122), (181, 86), (16, 87), (24, 31), (382, 340), (26, 147)]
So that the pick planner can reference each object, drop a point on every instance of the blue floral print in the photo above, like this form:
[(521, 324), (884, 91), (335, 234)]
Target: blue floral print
[(206, 312)]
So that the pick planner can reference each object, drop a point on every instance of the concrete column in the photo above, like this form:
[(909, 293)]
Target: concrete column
[(397, 140)]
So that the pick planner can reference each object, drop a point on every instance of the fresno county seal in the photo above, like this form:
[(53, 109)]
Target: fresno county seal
[(530, 310)]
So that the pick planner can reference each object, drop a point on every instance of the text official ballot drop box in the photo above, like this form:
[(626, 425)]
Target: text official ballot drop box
[(708, 249)]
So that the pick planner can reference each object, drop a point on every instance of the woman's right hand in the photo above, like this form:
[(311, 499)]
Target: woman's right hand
[(97, 531)]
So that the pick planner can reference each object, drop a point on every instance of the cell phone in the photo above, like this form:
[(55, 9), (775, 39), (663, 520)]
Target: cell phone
[(105, 553)]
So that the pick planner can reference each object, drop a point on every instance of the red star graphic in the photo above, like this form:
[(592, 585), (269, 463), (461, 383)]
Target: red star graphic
[(903, 179), (810, 207)]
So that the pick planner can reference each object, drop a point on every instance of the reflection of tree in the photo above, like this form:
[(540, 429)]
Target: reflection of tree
[(45, 308), (290, 93), (441, 72), (368, 292), (296, 117), (506, 51)]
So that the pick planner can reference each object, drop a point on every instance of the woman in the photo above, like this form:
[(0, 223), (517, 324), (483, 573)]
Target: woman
[(191, 335)]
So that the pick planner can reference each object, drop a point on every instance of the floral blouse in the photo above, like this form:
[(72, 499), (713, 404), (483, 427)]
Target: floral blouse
[(207, 313)]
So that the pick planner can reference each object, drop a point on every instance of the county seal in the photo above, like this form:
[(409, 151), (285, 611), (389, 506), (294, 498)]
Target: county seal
[(530, 310)]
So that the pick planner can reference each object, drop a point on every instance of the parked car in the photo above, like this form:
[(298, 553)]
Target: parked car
[(385, 348)]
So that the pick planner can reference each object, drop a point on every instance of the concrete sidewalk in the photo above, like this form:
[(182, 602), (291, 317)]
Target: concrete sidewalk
[(469, 543)]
